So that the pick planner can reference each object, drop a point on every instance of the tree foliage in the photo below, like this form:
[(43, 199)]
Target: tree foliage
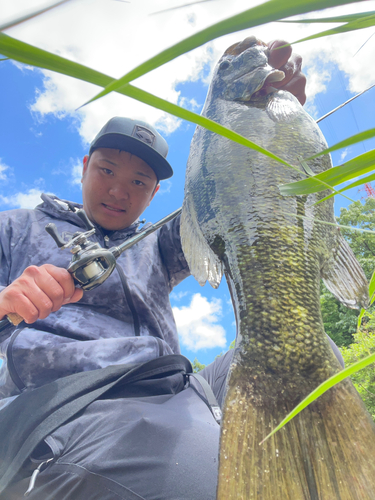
[(364, 380)]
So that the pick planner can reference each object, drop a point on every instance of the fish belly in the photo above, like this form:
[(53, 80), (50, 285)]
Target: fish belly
[(236, 218)]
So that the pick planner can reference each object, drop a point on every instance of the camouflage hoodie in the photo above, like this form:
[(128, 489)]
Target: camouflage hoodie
[(128, 319)]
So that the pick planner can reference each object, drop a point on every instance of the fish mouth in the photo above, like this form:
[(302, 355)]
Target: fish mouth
[(254, 84), (267, 88)]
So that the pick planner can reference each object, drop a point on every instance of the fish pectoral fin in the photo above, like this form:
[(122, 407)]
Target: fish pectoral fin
[(344, 277), (203, 263)]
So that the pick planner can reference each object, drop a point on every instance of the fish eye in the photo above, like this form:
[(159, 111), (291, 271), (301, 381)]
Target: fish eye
[(224, 65)]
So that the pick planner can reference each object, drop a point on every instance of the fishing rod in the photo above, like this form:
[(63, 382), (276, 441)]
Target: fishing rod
[(91, 264)]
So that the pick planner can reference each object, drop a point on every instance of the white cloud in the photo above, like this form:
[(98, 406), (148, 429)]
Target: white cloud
[(344, 154), (76, 171), (3, 167), (178, 295), (165, 187), (114, 37), (197, 324), (28, 199)]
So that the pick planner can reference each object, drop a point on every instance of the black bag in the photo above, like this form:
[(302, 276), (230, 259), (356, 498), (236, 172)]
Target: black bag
[(34, 414)]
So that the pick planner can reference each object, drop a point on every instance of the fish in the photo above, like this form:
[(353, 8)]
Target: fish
[(274, 252)]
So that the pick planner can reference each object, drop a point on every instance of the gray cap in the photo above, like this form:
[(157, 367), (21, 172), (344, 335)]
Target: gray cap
[(138, 138)]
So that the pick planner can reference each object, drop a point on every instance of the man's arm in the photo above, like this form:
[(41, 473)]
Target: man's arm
[(38, 292)]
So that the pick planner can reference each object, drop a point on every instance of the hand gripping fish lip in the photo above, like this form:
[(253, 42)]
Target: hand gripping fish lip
[(246, 87), (247, 72)]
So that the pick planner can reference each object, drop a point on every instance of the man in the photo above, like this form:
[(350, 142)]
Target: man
[(132, 442)]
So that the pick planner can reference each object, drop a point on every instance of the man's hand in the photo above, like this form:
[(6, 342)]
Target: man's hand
[(283, 59), (38, 292)]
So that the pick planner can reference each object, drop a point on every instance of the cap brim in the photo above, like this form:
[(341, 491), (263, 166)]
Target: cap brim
[(155, 160)]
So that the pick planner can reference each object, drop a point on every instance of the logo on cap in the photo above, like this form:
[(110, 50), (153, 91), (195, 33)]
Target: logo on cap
[(144, 134)]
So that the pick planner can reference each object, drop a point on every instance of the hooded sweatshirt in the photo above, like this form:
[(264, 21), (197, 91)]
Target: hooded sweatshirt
[(127, 319)]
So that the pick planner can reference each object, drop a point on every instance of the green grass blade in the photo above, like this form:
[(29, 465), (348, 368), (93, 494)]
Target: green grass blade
[(354, 139), (36, 57), (371, 293), (360, 182), (334, 224), (178, 7), (4, 58), (358, 24), (336, 19), (309, 172), (273, 10), (360, 165), (28, 54), (22, 19), (175, 110), (335, 379), (359, 321), (371, 288)]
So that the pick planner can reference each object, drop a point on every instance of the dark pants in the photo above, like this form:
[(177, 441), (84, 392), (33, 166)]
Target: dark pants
[(162, 447), (159, 447)]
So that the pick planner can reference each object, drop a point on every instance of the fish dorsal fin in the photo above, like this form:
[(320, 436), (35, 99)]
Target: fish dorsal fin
[(203, 263), (344, 277)]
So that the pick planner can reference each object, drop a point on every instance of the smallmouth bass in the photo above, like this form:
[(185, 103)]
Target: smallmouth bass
[(235, 221)]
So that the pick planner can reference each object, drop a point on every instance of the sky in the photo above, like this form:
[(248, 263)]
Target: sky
[(43, 137)]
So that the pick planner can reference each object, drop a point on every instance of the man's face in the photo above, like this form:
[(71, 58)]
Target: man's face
[(116, 187)]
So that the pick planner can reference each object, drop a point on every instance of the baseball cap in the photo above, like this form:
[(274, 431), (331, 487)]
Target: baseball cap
[(138, 138)]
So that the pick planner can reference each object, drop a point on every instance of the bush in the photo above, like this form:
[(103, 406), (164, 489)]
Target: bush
[(364, 380)]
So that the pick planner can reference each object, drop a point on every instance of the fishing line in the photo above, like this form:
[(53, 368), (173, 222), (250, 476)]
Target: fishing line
[(351, 108), (364, 44), (344, 104)]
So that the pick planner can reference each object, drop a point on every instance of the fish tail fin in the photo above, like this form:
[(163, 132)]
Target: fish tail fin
[(203, 263), (324, 453)]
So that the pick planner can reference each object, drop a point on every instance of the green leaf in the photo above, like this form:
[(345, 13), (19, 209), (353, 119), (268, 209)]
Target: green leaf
[(273, 10), (28, 54), (360, 182), (361, 23), (371, 288), (334, 176), (308, 170), (322, 388), (362, 312), (354, 139), (336, 19), (22, 19), (371, 292)]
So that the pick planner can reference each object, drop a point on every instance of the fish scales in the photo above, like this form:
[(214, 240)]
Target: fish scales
[(235, 221)]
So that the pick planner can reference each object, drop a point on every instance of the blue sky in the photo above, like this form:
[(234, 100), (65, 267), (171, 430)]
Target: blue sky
[(43, 138)]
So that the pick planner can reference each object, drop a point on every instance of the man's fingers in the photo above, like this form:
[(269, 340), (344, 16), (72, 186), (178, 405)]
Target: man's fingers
[(278, 57), (41, 279), (291, 69), (26, 309), (294, 80), (77, 295), (38, 292), (297, 87)]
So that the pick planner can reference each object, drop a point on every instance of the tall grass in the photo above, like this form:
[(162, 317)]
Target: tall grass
[(273, 10)]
